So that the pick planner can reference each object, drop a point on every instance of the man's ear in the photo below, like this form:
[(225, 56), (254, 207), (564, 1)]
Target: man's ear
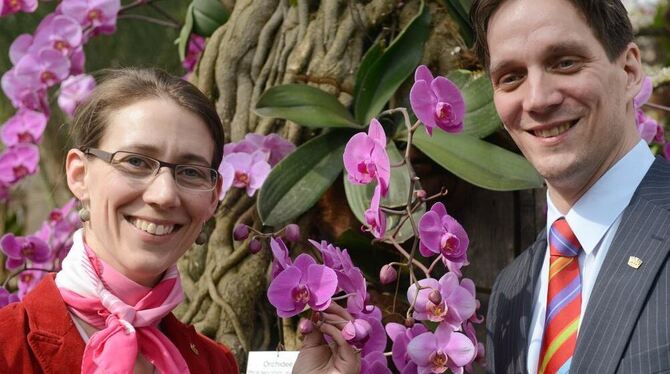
[(632, 65), (75, 170)]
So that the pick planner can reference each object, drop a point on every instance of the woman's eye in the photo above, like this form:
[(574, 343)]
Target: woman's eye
[(137, 162), (192, 172)]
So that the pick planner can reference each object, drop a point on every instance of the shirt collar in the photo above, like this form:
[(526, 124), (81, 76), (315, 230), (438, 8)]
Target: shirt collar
[(593, 214)]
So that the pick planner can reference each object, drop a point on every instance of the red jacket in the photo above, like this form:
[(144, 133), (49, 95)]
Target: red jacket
[(37, 335)]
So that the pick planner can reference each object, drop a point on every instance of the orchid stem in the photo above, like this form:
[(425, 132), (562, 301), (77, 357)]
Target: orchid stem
[(432, 266), (162, 12), (658, 106), (148, 19)]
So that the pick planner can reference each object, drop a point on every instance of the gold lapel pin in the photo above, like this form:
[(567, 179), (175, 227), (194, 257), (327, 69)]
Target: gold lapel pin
[(634, 262)]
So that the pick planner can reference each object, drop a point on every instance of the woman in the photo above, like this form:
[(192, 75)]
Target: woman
[(144, 167)]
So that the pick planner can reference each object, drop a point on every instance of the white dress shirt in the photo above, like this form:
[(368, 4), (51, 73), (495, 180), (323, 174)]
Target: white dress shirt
[(594, 219)]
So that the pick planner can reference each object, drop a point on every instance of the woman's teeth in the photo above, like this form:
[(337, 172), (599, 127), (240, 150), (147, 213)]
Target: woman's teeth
[(553, 131), (151, 227)]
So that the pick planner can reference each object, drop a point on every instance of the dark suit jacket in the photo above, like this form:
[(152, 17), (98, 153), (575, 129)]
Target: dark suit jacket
[(37, 335), (626, 325)]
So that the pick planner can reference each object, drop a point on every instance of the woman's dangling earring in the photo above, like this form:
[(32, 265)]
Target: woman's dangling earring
[(84, 214)]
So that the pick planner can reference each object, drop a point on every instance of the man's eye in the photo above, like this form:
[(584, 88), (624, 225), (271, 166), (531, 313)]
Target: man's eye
[(509, 81), (566, 64)]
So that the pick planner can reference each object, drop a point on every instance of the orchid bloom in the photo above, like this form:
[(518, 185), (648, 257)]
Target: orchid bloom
[(59, 32), (196, 44), (374, 217), (18, 162), (227, 173), (436, 102), (648, 128), (251, 170), (6, 297), (375, 338), (444, 349), (365, 157), (454, 303), (26, 126), (441, 234), (73, 91), (274, 146), (28, 279), (15, 6), (305, 283), (374, 363), (43, 68), (24, 94), (281, 260), (401, 336), (98, 14), (21, 249)]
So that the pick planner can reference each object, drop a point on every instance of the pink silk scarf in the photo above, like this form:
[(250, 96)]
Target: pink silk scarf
[(126, 313)]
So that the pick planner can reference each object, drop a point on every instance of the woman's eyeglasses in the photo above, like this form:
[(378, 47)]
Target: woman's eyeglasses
[(141, 167)]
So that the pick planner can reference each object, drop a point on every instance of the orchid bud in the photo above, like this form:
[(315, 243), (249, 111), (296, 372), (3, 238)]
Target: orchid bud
[(292, 232), (241, 232), (435, 297), (305, 326), (358, 330), (421, 194), (255, 246), (387, 274), (409, 322)]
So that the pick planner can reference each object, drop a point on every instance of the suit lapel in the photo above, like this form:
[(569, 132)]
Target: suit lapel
[(537, 255), (53, 337), (620, 290)]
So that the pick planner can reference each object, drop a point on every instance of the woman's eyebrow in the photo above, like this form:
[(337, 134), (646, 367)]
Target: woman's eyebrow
[(150, 150)]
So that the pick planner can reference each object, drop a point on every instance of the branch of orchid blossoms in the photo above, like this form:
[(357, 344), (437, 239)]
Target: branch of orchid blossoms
[(438, 333)]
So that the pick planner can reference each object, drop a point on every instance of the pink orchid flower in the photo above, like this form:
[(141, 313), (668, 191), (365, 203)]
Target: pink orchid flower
[(59, 32), (374, 363), (374, 217), (280, 257), (24, 94), (73, 91), (26, 126), (251, 170), (436, 102), (441, 234), (29, 279), (454, 303), (375, 340), (43, 68), (99, 15), (21, 249), (648, 128), (18, 162), (273, 145), (6, 297), (196, 44), (365, 157), (444, 349), (401, 336), (227, 172), (305, 283), (15, 6)]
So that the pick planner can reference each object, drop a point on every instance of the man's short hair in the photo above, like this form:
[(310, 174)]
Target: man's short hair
[(608, 19)]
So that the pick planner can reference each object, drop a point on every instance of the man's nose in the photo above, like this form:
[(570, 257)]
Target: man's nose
[(542, 93)]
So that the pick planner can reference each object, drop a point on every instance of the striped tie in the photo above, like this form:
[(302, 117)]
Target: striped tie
[(564, 300)]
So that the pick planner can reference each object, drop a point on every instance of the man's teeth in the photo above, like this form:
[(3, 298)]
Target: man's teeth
[(151, 227), (553, 131)]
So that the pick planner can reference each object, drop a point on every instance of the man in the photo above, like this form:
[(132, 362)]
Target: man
[(592, 295)]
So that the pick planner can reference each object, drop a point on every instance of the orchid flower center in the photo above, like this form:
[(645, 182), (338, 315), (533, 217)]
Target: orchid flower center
[(94, 14), (444, 112), (449, 243), (26, 277), (26, 137), (300, 294), (20, 171), (367, 167), (27, 250), (14, 4), (61, 45), (47, 77), (55, 216), (242, 177), (436, 312), (438, 360)]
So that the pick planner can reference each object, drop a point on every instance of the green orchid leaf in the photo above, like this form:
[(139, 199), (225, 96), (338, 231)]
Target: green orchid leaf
[(185, 33), (481, 163), (359, 196), (367, 62), (481, 118), (458, 9), (299, 180), (305, 105), (208, 15), (389, 71)]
